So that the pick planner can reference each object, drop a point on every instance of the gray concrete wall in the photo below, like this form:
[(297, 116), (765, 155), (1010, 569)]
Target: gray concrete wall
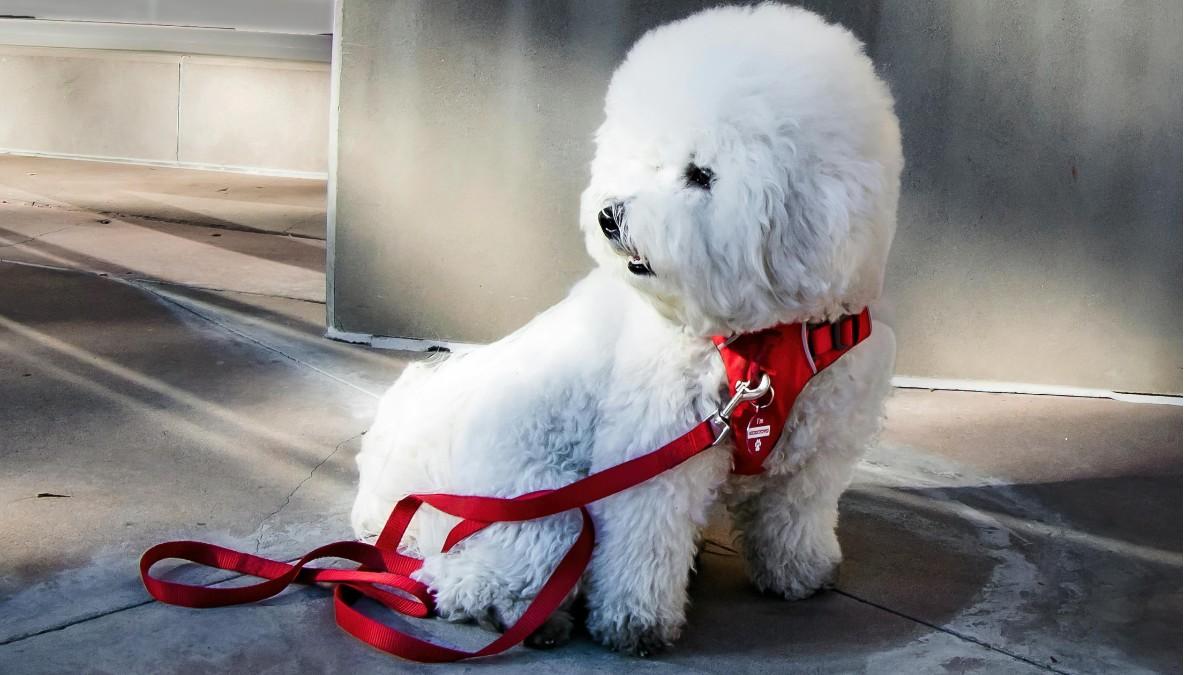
[(1040, 227), (178, 109)]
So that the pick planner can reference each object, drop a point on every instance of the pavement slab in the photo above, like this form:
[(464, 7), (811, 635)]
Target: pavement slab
[(140, 249), (295, 330), (213, 199), (152, 423)]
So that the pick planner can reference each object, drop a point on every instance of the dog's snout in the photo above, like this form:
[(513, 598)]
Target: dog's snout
[(610, 220)]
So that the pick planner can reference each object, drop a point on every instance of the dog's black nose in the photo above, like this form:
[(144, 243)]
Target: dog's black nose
[(610, 220)]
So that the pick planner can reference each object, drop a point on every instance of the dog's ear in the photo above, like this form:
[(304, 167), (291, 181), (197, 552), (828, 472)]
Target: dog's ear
[(819, 232)]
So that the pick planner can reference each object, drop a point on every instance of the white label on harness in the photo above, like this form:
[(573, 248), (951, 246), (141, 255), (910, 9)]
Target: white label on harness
[(758, 432)]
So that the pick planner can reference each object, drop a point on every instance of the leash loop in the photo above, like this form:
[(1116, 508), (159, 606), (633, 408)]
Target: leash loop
[(384, 573)]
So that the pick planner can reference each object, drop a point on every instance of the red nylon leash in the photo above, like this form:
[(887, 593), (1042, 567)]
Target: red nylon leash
[(789, 356), (381, 566)]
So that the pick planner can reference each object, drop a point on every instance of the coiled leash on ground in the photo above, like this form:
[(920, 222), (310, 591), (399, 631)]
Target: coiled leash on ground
[(780, 360)]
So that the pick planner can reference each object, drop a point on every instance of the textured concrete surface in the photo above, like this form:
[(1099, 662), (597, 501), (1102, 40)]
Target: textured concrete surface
[(987, 533), (89, 102), (254, 113), (152, 421), (146, 249), (166, 107), (139, 223), (1041, 217), (294, 206)]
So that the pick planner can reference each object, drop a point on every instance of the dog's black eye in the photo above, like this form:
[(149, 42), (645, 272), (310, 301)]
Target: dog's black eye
[(698, 176)]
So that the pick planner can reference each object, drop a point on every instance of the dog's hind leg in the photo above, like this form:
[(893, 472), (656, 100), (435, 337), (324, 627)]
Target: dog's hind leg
[(492, 577), (646, 543)]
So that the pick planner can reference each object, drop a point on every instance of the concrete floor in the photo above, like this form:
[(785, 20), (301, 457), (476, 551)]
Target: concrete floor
[(294, 206), (157, 382)]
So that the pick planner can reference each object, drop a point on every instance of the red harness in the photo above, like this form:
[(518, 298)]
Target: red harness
[(781, 360)]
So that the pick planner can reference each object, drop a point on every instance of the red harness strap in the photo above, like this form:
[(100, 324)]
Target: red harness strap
[(384, 574)]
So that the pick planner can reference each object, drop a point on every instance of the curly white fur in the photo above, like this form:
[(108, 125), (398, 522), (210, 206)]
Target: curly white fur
[(799, 134)]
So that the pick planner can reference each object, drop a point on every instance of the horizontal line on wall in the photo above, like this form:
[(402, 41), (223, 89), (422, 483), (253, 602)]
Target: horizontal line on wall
[(899, 381), (171, 164)]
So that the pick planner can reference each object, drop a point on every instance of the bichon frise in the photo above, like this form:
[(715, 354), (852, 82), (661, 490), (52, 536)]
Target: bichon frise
[(746, 175)]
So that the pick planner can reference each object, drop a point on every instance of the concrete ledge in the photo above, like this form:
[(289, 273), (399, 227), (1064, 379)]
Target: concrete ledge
[(398, 343), (174, 39)]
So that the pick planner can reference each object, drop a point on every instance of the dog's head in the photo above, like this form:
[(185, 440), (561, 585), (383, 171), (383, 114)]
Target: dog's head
[(747, 171)]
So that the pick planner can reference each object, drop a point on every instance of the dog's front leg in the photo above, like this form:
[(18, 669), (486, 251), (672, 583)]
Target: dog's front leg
[(788, 523), (788, 528), (646, 544)]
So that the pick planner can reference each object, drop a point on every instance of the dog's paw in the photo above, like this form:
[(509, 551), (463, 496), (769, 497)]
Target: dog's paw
[(796, 582), (554, 633), (495, 616), (630, 636), (492, 619)]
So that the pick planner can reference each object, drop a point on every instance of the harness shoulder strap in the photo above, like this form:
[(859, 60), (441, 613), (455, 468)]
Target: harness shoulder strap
[(828, 341)]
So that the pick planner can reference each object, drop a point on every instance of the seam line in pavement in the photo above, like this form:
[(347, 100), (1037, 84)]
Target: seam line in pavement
[(951, 632), (115, 610), (251, 338), (113, 276), (122, 215), (941, 629), (82, 619), (146, 286), (233, 227), (288, 500), (142, 285), (38, 236), (198, 287)]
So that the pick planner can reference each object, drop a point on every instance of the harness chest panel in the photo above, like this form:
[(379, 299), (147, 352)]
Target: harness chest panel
[(791, 355)]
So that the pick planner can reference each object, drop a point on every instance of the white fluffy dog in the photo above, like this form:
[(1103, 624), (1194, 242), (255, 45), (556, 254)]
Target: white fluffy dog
[(746, 175)]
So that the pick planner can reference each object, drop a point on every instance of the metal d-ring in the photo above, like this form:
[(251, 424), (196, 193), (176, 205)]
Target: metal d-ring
[(742, 393), (759, 404)]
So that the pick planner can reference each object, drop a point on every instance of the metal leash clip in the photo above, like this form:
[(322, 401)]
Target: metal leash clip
[(743, 393)]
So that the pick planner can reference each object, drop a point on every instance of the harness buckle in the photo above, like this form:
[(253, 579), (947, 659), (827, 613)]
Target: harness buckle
[(743, 393), (837, 337)]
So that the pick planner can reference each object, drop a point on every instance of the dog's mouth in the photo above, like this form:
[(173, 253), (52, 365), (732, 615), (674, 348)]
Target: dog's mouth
[(635, 262), (638, 266)]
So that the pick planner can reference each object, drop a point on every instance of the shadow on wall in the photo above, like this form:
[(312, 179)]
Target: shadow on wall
[(1041, 219), (1040, 224), (463, 149)]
